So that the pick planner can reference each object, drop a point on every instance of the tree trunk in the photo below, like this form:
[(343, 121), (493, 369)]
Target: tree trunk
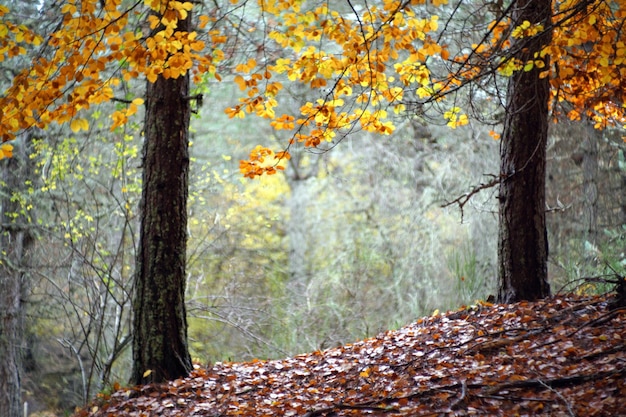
[(590, 191), (522, 244), (299, 225), (160, 350), (15, 239), (298, 241)]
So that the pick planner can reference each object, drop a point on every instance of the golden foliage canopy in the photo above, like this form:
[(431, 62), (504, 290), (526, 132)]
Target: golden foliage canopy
[(365, 64)]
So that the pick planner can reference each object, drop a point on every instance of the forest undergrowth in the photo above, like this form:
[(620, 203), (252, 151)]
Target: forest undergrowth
[(562, 356)]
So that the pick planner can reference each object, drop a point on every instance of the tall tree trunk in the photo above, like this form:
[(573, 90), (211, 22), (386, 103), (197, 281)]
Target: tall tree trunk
[(15, 239), (160, 349), (522, 244)]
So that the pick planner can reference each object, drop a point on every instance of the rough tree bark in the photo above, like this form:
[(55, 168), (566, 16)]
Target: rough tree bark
[(160, 349), (15, 240), (522, 244)]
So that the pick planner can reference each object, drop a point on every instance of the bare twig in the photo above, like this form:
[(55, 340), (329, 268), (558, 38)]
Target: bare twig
[(567, 403), (556, 382), (463, 199), (459, 400), (341, 406)]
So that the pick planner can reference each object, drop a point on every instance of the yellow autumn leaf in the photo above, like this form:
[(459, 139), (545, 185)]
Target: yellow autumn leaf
[(182, 14), (152, 76), (203, 21), (138, 101), (6, 150), (399, 108), (239, 80), (147, 373), (68, 8), (282, 155), (519, 31), (79, 124)]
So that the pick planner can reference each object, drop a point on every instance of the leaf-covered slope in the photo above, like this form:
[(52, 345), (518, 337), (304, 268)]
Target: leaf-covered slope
[(564, 356)]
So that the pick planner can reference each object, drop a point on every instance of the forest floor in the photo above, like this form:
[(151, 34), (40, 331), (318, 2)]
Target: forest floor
[(563, 356)]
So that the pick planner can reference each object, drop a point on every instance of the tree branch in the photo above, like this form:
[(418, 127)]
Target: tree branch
[(463, 199)]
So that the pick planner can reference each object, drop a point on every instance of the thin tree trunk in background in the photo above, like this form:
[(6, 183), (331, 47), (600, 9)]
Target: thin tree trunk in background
[(622, 193), (299, 225), (590, 187), (160, 349), (15, 240), (522, 243), (297, 232)]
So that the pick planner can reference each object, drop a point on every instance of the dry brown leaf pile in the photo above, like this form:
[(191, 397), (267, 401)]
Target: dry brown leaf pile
[(563, 356)]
